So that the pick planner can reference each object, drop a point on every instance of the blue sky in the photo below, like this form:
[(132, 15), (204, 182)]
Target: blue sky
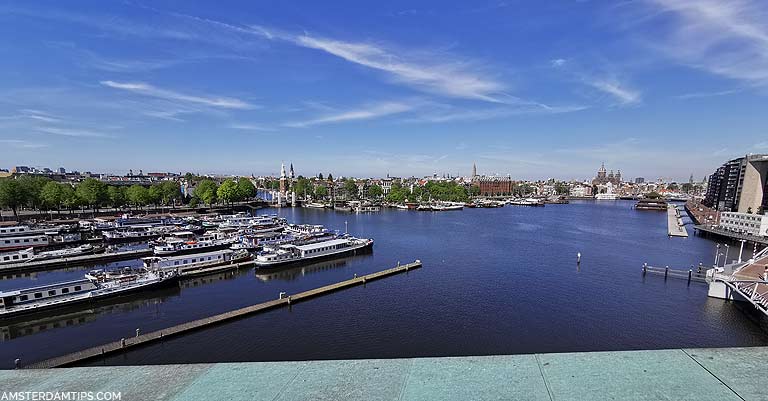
[(656, 88)]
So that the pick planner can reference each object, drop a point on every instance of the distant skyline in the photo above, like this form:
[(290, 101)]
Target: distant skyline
[(655, 88)]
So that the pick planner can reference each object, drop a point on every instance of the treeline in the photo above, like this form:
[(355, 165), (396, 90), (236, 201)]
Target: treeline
[(436, 191), (208, 192), (41, 193)]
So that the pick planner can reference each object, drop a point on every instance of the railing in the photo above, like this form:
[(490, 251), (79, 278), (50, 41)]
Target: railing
[(690, 274)]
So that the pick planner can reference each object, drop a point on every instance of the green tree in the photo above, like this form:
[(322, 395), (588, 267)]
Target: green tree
[(206, 191), (397, 194), (245, 189), (69, 198), (474, 190), (687, 187), (52, 195), (227, 191), (303, 187), (653, 195), (92, 192), (137, 195), (321, 192), (375, 191), (170, 192), (155, 195), (32, 187), (193, 203), (12, 195), (562, 188), (350, 188), (117, 196)]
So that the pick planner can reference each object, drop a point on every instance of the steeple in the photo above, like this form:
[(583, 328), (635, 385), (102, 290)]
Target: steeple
[(282, 170), (474, 170), (292, 174)]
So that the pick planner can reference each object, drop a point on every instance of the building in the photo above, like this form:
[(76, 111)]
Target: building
[(639, 180), (493, 185), (603, 177), (746, 223), (739, 185), (581, 191)]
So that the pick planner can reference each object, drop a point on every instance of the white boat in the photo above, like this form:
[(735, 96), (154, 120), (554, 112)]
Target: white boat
[(22, 231), (136, 233), (290, 253), (315, 205), (22, 255), (23, 242), (183, 242), (606, 196), (197, 263), (96, 285), (67, 252)]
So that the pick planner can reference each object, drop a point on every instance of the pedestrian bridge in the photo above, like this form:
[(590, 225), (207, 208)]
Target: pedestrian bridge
[(747, 281)]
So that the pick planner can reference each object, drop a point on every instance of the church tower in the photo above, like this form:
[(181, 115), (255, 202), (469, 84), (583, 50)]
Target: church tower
[(282, 179), (474, 170)]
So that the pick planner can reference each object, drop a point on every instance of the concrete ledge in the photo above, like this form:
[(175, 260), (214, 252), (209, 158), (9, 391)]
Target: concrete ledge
[(720, 374)]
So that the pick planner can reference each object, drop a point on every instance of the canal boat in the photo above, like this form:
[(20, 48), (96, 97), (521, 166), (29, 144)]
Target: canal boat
[(185, 242), (22, 231), (136, 233), (85, 249), (97, 284), (23, 242), (199, 263), (19, 256), (290, 253)]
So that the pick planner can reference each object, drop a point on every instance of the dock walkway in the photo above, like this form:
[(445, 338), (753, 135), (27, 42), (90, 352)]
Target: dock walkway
[(75, 260), (714, 374), (675, 227), (284, 300)]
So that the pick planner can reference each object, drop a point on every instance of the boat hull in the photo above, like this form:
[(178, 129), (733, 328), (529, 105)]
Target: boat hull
[(349, 251)]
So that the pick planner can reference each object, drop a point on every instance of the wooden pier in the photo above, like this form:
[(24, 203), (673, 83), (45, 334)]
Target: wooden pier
[(675, 227), (283, 300), (699, 274), (75, 260)]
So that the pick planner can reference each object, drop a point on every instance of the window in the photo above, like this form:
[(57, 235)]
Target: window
[(51, 293), (23, 298), (38, 295), (78, 288), (65, 290)]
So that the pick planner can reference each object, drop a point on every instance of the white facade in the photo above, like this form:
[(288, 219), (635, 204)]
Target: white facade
[(748, 223)]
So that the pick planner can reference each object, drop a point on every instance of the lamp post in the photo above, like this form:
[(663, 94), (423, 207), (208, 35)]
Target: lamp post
[(741, 249), (717, 254), (727, 248)]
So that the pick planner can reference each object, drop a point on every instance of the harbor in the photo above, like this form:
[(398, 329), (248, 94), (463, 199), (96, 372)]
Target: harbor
[(608, 263)]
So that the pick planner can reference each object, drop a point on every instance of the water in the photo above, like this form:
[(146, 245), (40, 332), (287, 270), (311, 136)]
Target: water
[(494, 281)]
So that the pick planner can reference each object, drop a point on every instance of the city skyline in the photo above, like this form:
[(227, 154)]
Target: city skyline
[(653, 88)]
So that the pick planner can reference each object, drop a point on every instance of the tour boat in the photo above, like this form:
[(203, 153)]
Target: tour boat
[(207, 262), (291, 253), (97, 284)]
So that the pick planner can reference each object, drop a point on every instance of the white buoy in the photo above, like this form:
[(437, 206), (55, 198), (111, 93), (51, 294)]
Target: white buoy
[(578, 257)]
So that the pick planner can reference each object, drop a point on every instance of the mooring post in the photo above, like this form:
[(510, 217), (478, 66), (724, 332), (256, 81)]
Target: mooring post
[(690, 273), (666, 272), (281, 295), (645, 268), (17, 363), (578, 258), (138, 331), (122, 343)]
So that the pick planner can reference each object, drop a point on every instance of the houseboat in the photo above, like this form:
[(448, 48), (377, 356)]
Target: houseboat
[(185, 242), (19, 256), (290, 253), (22, 242), (97, 284), (21, 231), (136, 233), (199, 263)]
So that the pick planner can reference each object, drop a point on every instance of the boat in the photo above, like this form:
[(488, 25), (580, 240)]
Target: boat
[(9, 243), (526, 202), (86, 249), (651, 204), (606, 196), (22, 255), (401, 207), (199, 263), (22, 231), (315, 205), (186, 242), (290, 253), (136, 233), (424, 208), (97, 284)]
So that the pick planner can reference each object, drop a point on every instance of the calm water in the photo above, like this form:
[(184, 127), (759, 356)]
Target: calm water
[(494, 281)]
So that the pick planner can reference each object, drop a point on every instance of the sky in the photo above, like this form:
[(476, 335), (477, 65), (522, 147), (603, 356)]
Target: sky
[(535, 89)]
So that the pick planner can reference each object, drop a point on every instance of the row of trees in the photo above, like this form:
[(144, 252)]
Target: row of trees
[(439, 191), (41, 193), (208, 192)]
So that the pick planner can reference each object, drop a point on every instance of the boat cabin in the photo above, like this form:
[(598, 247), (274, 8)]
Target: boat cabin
[(37, 294)]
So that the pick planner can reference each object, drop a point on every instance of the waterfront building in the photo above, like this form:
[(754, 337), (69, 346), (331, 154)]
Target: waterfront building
[(581, 191), (746, 223), (493, 185), (739, 185), (639, 180)]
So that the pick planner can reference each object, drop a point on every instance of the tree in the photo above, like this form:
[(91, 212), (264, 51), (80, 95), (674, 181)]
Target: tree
[(562, 188), (137, 195), (92, 192), (245, 189), (194, 202), (154, 195), (12, 195), (397, 194), (653, 195), (170, 192), (117, 196), (321, 192), (52, 195), (350, 188), (303, 186), (32, 186), (69, 198), (687, 187), (474, 190), (206, 191), (227, 192), (375, 191)]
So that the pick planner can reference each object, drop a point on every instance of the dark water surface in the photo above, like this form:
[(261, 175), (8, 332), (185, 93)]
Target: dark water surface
[(494, 281)]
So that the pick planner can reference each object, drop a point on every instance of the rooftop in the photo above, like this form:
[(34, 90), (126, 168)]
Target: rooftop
[(720, 374)]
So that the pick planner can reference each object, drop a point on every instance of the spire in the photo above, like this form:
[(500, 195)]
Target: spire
[(602, 168), (474, 170), (292, 174), (282, 170)]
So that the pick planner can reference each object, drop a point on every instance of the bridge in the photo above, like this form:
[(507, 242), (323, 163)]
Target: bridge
[(742, 281)]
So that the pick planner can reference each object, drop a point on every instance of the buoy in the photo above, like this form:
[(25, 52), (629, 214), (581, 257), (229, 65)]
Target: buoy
[(578, 257)]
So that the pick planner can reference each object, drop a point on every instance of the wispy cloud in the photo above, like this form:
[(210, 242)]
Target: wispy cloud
[(22, 144), (373, 111), (152, 91), (698, 95), (251, 127), (726, 38), (72, 132), (619, 90)]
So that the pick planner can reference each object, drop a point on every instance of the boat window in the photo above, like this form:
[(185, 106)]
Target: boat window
[(15, 257), (23, 298), (64, 290), (38, 295), (51, 293), (78, 288)]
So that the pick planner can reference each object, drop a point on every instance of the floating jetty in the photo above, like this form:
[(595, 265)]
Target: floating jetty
[(283, 300), (76, 260), (675, 227)]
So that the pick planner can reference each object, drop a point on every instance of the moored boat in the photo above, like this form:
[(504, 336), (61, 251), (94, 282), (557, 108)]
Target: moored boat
[(199, 263), (291, 253)]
